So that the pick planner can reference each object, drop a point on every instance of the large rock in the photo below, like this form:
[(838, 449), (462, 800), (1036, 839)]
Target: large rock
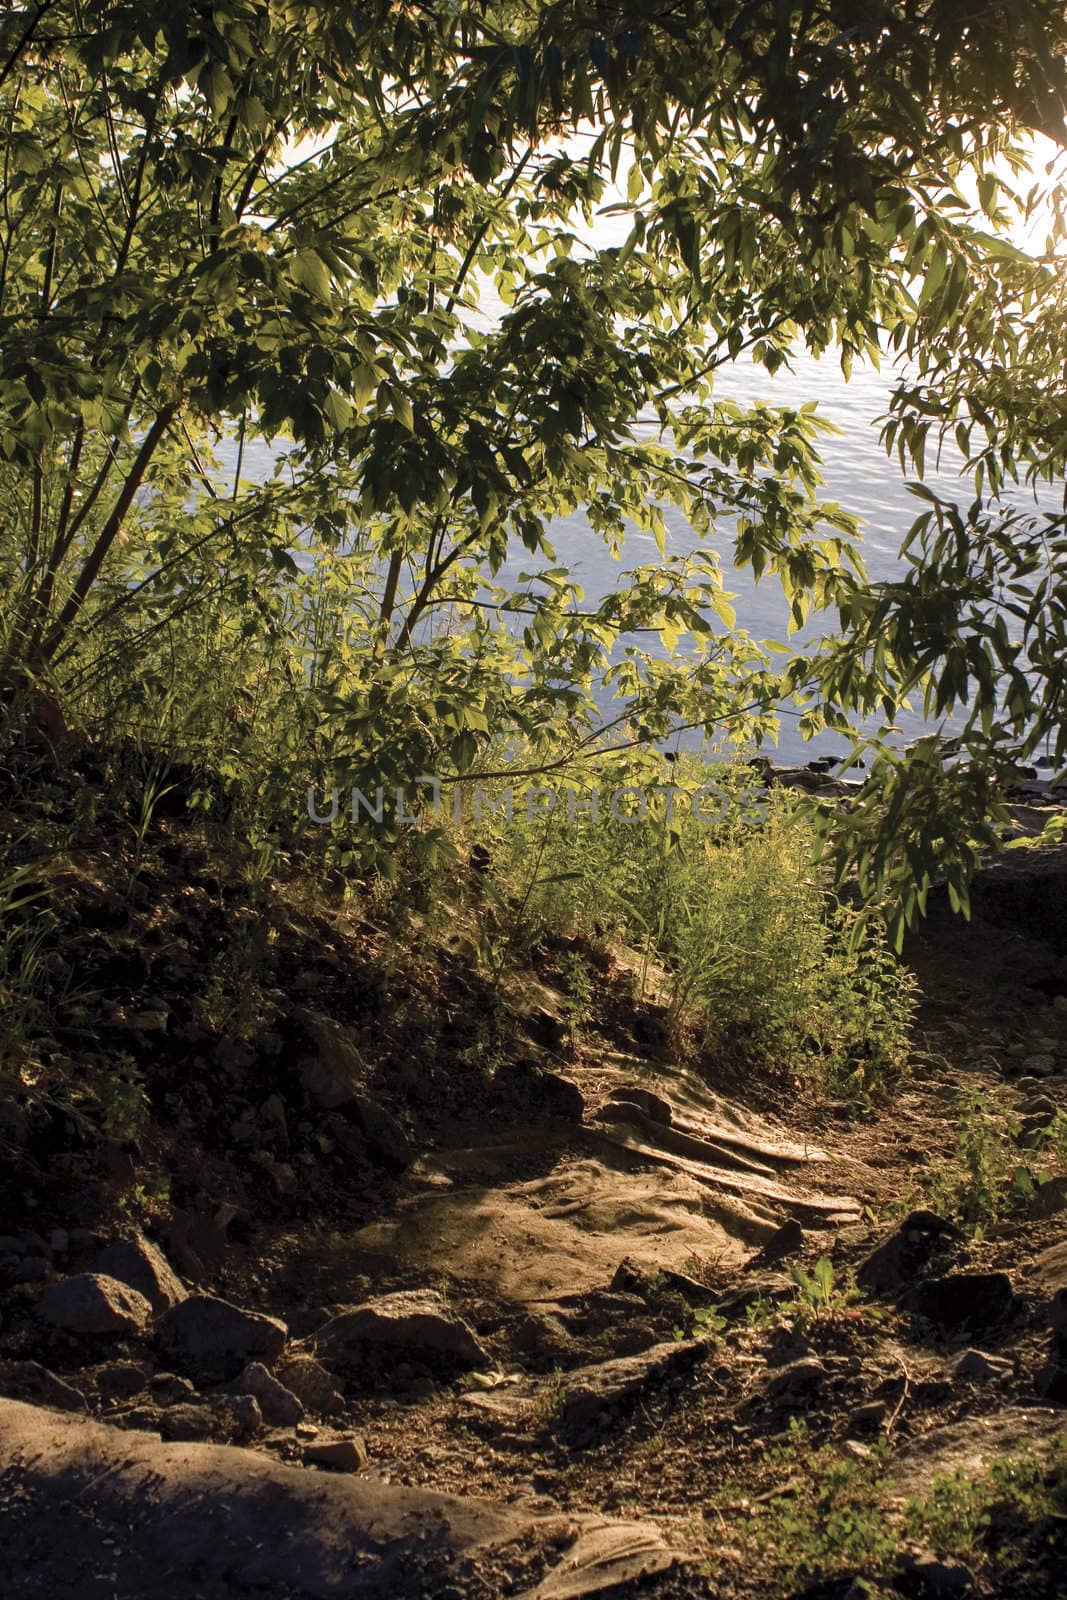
[(590, 1392), (964, 1302), (417, 1323), (212, 1340), (383, 1133), (144, 1267), (93, 1303), (922, 1240)]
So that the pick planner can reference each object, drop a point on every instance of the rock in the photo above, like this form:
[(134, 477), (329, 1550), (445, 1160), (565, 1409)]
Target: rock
[(1040, 1066), (1049, 1269), (168, 1389), (28, 1380), (1049, 1198), (333, 1070), (654, 1106), (144, 1267), (893, 1265), (340, 1455), (311, 1383), (93, 1303), (212, 1340), (1057, 1314), (12, 1247), (976, 1367), (964, 1302), (927, 1574), (866, 1418), (121, 1380), (383, 1133), (59, 1244), (1050, 1383), (280, 1407), (796, 1384), (785, 1241), (222, 1418), (590, 1391), (183, 1422), (34, 1269), (418, 1323), (561, 1097)]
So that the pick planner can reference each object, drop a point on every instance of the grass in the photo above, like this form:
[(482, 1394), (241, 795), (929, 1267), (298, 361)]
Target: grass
[(737, 935), (839, 1516), (988, 1177)]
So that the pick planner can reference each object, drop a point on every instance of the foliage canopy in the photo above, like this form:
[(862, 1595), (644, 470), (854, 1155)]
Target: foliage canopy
[(270, 220)]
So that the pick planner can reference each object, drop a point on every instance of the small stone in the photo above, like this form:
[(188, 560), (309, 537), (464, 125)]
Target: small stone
[(94, 1304), (340, 1455), (280, 1407), (311, 1383), (306, 1430), (796, 1384), (867, 1418), (1050, 1383), (168, 1389), (930, 1575), (122, 1380), (1049, 1198), (35, 1269), (785, 1241), (977, 1367), (59, 1242)]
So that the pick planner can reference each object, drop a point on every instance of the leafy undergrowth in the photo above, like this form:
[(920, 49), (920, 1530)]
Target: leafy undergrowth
[(842, 1514)]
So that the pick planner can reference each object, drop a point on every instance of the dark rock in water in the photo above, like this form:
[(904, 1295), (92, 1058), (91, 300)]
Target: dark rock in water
[(785, 1241), (921, 1239), (418, 1323), (28, 1380), (91, 1303), (590, 1391), (212, 1340), (964, 1302), (139, 1263)]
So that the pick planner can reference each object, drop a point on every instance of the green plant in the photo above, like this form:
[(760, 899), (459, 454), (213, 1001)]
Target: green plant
[(987, 1176)]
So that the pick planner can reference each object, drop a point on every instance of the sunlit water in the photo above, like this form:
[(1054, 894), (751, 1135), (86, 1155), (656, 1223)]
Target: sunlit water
[(857, 474)]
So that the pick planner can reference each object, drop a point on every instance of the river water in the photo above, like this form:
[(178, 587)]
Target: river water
[(857, 474)]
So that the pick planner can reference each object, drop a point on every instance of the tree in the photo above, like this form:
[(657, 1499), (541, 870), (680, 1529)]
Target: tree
[(270, 219)]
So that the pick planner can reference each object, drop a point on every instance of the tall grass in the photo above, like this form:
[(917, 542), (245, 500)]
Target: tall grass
[(734, 924)]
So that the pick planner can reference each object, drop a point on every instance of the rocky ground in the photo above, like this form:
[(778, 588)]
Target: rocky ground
[(369, 1297)]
